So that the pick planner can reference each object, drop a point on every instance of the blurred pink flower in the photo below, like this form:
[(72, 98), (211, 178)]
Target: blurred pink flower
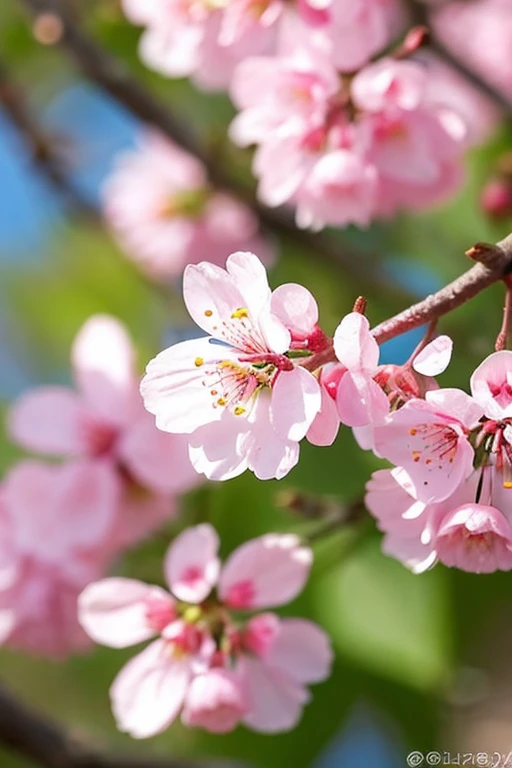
[(161, 209), (53, 525), (240, 394), (216, 669), (104, 421), (346, 151)]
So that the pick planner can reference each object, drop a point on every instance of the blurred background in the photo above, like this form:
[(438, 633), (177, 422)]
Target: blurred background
[(422, 662)]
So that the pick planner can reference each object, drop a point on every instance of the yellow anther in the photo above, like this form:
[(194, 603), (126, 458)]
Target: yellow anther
[(412, 431), (198, 362), (507, 484), (208, 312), (239, 410), (240, 313), (221, 401), (192, 614)]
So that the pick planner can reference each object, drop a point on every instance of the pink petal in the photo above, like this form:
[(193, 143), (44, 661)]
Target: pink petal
[(491, 385), (325, 425), (435, 357), (432, 448), (58, 510), (103, 360), (296, 307), (456, 404), (50, 420), (212, 296), (213, 448), (360, 400), (191, 564), (265, 572), (354, 345), (267, 454), (114, 611), (302, 651), (275, 700), (490, 549), (158, 460), (296, 400), (148, 693), (250, 277), (173, 388)]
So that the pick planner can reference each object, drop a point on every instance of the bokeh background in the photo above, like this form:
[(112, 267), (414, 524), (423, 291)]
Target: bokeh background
[(422, 662)]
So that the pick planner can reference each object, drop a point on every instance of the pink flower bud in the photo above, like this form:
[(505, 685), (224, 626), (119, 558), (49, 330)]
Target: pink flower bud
[(215, 701)]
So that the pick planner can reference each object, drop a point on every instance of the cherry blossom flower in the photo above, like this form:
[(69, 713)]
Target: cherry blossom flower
[(346, 150), (163, 212), (104, 421), (53, 524), (206, 41), (429, 438), (240, 394), (470, 530), (216, 667)]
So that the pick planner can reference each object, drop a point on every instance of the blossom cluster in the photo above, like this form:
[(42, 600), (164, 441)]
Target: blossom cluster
[(62, 525), (346, 130), (241, 398), (211, 662), (265, 378)]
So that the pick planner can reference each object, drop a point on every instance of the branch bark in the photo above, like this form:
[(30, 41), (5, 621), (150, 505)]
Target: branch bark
[(494, 264), (40, 145), (113, 78), (34, 737)]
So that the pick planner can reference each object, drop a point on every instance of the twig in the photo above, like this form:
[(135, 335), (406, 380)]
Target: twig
[(113, 77), (495, 263), (42, 741), (40, 145), (504, 336)]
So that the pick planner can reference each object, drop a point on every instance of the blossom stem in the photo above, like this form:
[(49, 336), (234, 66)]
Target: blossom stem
[(504, 335)]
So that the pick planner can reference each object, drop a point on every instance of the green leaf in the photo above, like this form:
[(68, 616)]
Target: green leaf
[(388, 619)]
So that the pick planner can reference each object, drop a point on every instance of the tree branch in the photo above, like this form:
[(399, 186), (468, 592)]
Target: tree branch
[(113, 78), (40, 740), (494, 264), (40, 145)]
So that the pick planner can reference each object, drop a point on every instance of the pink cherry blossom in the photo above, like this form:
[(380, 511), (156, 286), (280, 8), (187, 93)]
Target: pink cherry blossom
[(470, 530), (103, 420), (240, 394), (359, 398), (217, 669), (491, 385), (346, 150), (429, 438), (53, 524), (216, 701), (164, 214)]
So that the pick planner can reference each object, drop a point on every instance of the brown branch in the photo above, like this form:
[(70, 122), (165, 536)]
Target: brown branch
[(494, 264), (40, 740), (113, 78), (41, 146)]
